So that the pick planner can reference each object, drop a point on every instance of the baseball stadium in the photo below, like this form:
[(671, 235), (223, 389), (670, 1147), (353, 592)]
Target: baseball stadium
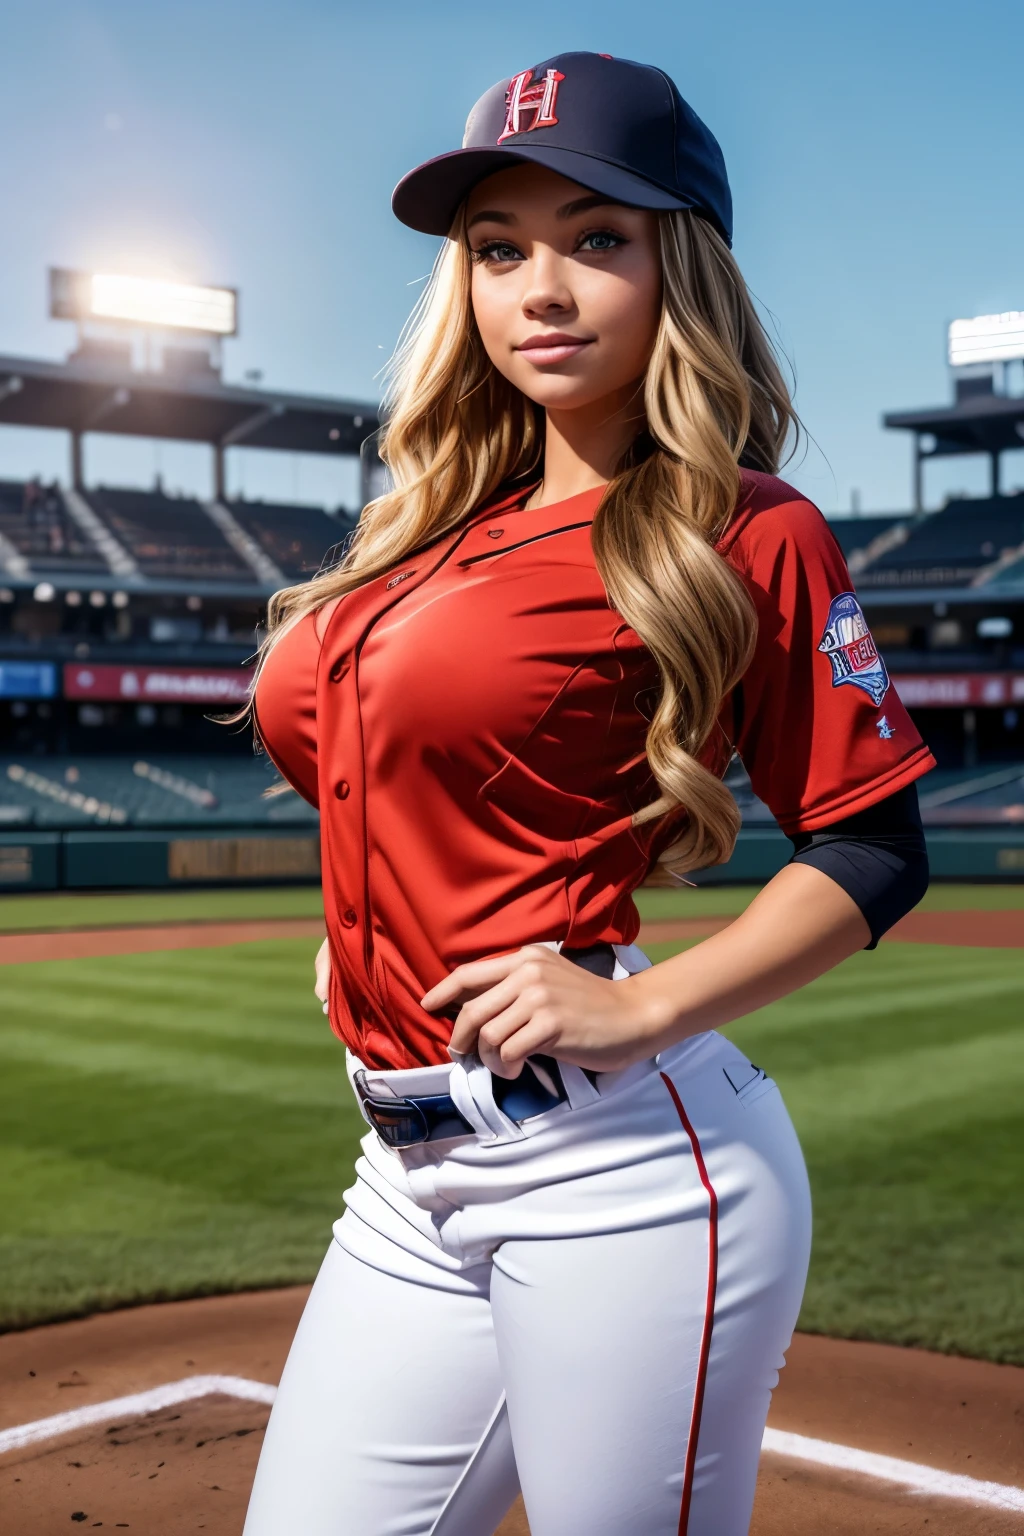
[(177, 1128)]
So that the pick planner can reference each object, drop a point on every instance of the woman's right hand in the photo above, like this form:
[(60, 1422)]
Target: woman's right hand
[(322, 967)]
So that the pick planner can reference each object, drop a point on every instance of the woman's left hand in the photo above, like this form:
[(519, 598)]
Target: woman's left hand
[(534, 1000)]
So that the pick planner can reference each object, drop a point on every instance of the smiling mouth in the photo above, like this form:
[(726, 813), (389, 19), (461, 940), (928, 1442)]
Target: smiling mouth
[(557, 348)]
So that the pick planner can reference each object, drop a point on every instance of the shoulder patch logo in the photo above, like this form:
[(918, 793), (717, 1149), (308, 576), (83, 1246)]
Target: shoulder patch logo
[(885, 730), (850, 649)]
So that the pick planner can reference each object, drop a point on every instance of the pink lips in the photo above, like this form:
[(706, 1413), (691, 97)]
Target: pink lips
[(554, 347)]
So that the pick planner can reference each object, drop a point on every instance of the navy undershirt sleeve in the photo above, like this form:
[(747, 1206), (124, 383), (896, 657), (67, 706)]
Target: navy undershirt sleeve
[(878, 857)]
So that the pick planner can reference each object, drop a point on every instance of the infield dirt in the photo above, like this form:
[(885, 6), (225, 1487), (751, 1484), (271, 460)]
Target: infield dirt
[(984, 930), (190, 1468)]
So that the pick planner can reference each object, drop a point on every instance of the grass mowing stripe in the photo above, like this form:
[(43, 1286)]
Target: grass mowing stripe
[(908, 1115), (150, 1202), (89, 910), (178, 991), (828, 1100), (913, 999), (186, 1029), (297, 1158), (146, 1063), (917, 1240)]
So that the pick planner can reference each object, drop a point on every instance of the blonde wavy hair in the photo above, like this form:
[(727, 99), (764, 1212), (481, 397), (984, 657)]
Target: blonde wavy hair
[(714, 395)]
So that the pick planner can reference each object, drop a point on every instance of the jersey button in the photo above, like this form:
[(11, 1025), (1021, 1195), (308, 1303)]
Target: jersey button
[(349, 917), (495, 533), (341, 789), (339, 669)]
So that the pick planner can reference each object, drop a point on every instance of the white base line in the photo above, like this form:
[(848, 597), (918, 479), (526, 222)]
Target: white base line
[(823, 1453), (890, 1469), (133, 1407)]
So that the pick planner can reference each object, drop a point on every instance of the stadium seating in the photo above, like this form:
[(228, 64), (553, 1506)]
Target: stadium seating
[(53, 793), (950, 797), (33, 519), (856, 534), (953, 546), (1011, 575), (297, 539), (979, 796), (170, 537)]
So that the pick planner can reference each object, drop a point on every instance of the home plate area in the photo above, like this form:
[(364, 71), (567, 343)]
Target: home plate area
[(151, 1420)]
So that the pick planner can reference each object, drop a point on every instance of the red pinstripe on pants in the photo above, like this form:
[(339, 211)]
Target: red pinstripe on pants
[(709, 1309)]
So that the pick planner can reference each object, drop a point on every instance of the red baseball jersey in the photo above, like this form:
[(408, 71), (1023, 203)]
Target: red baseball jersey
[(471, 726)]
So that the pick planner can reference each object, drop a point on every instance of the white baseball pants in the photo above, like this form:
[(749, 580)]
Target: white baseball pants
[(591, 1307)]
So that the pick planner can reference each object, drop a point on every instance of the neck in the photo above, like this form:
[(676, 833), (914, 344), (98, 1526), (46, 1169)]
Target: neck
[(583, 447)]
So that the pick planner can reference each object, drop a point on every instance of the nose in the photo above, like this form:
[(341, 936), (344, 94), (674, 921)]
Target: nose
[(547, 291)]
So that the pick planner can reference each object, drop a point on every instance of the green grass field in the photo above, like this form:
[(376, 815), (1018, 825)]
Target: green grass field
[(179, 1123), (24, 914)]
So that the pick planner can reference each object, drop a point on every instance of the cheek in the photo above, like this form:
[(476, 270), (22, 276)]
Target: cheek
[(625, 310), (494, 309)]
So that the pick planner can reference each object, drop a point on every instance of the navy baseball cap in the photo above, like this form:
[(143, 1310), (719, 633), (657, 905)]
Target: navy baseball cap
[(614, 127)]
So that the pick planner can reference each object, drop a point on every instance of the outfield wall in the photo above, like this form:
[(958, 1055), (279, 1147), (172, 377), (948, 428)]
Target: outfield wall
[(49, 861), (983, 853)]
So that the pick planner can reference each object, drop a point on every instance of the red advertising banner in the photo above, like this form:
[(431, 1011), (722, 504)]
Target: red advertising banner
[(960, 690), (157, 685)]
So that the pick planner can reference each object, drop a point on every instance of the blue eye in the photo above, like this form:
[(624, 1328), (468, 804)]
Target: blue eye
[(600, 240), (497, 250)]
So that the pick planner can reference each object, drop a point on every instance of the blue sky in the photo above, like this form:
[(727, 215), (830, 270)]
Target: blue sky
[(875, 152)]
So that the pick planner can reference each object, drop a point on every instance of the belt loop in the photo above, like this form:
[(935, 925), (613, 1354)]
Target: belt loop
[(470, 1088), (580, 1089), (629, 958)]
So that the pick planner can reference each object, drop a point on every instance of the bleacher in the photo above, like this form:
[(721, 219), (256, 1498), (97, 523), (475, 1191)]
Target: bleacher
[(35, 522), (982, 796), (856, 534), (949, 797), (74, 793), (952, 547), (171, 537), (1010, 575), (296, 538)]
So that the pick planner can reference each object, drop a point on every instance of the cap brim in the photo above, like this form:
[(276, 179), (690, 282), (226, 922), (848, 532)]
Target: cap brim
[(429, 197)]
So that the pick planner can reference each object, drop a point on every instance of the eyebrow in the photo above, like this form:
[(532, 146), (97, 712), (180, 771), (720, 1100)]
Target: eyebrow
[(567, 210)]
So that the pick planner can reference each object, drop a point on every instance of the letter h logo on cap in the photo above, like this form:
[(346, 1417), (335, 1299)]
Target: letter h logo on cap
[(522, 97)]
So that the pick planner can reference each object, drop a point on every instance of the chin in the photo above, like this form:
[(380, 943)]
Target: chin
[(559, 392)]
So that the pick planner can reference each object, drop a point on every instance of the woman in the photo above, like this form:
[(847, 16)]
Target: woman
[(576, 1246)]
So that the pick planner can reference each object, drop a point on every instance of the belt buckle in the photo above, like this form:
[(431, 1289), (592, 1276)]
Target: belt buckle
[(398, 1122)]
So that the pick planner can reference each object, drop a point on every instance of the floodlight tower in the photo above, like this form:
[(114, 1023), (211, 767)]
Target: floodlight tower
[(987, 415), (143, 325)]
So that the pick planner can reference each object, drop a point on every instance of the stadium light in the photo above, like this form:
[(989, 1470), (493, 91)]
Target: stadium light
[(987, 339), (143, 301), (171, 306)]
